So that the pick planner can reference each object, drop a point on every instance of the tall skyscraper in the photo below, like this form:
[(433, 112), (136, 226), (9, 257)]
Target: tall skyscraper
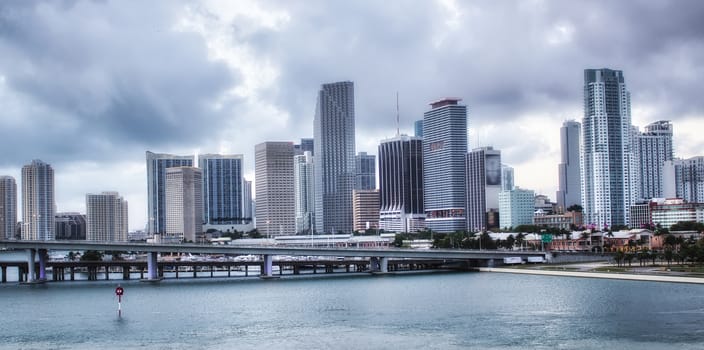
[(157, 163), (516, 208), (609, 184), (365, 208), (654, 147), (304, 192), (401, 184), (444, 172), (483, 187), (365, 165), (507, 182), (184, 203), (684, 178), (106, 217), (274, 187), (418, 128), (38, 205), (247, 212), (222, 189), (334, 157), (569, 192), (8, 207)]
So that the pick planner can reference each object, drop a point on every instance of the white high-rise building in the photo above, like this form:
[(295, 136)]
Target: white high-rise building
[(569, 192), (157, 163), (684, 178), (304, 192), (654, 148), (609, 175), (274, 188), (38, 205), (8, 207), (247, 200), (444, 168), (334, 157), (184, 203), (106, 217)]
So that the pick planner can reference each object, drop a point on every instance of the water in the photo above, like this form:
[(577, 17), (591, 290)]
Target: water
[(421, 311)]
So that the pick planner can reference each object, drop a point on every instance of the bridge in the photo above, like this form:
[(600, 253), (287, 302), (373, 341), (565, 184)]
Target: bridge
[(378, 257)]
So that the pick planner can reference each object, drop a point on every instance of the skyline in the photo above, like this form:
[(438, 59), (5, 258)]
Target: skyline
[(102, 94)]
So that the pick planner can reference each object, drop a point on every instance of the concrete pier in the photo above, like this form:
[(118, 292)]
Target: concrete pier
[(152, 267)]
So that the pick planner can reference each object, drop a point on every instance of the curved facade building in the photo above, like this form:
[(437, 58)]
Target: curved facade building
[(444, 152)]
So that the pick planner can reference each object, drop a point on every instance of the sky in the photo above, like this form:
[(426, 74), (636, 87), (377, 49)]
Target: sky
[(89, 86)]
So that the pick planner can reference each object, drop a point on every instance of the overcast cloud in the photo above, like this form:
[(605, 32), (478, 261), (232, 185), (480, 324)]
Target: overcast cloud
[(89, 86)]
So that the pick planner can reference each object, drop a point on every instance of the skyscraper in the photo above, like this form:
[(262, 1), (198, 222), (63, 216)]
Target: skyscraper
[(306, 145), (304, 192), (654, 147), (401, 184), (334, 157), (184, 203), (247, 201), (222, 189), (418, 128), (274, 188), (106, 217), (569, 192), (507, 182), (157, 163), (8, 207), (38, 205), (444, 152), (609, 184), (70, 226), (365, 177), (684, 178), (483, 186)]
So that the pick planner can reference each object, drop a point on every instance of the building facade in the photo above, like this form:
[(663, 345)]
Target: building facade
[(569, 192), (70, 226), (507, 182), (106, 217), (247, 211), (8, 207), (334, 128), (401, 184), (304, 192), (444, 170), (671, 211), (654, 148), (184, 204), (157, 163), (483, 186), (365, 171), (684, 178), (38, 205), (365, 209), (609, 176), (274, 188), (516, 208), (567, 221), (418, 128), (223, 195)]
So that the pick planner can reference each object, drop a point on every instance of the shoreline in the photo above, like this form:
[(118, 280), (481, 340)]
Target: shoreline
[(614, 276)]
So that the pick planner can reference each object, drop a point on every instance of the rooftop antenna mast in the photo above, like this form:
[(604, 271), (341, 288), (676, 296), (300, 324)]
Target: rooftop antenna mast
[(398, 128)]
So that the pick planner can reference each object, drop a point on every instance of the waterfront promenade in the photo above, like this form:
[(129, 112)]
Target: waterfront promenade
[(604, 275)]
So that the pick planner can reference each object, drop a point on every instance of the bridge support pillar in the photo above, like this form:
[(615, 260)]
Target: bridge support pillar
[(43, 256), (152, 266), (384, 265), (31, 254), (4, 274), (374, 264), (267, 266)]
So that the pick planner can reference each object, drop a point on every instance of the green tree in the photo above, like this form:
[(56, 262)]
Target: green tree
[(92, 255)]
